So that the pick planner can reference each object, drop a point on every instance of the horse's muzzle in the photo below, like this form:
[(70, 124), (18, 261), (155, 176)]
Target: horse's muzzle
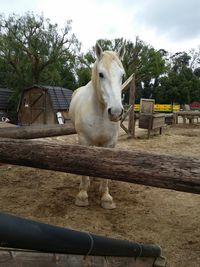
[(115, 116)]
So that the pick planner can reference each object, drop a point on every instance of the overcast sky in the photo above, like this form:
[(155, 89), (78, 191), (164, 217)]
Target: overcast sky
[(173, 25)]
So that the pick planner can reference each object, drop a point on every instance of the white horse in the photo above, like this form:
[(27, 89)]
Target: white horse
[(96, 110)]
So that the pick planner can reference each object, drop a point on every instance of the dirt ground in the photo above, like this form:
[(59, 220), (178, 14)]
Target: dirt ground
[(143, 214)]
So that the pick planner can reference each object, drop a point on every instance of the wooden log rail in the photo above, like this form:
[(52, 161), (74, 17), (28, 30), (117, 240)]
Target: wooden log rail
[(37, 131), (177, 173), (13, 258)]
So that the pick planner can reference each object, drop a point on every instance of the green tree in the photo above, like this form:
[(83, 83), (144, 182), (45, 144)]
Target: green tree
[(35, 51), (148, 65), (83, 69), (181, 84)]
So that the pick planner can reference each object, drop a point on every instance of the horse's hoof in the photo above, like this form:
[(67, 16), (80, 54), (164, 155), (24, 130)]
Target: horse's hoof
[(81, 203), (108, 205)]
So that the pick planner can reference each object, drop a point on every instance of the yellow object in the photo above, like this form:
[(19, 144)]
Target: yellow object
[(161, 107)]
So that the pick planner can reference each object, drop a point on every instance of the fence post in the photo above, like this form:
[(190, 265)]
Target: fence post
[(131, 121)]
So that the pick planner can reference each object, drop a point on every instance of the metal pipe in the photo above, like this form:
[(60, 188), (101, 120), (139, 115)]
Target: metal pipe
[(16, 232)]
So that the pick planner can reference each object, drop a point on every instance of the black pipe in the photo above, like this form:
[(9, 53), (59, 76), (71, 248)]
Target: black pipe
[(16, 232)]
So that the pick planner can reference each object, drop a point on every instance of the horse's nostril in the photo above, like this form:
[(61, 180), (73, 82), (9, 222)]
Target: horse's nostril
[(115, 112)]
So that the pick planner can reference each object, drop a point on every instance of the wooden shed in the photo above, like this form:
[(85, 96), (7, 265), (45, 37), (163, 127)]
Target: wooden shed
[(44, 105), (5, 95)]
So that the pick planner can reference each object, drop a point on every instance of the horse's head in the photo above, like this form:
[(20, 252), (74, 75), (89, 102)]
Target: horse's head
[(107, 80)]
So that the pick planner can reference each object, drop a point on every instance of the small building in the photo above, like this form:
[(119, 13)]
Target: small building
[(44, 105), (5, 95)]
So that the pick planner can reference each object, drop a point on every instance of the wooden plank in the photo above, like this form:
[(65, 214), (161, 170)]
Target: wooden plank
[(145, 121), (131, 121), (123, 119), (147, 105), (158, 121), (131, 113), (127, 82), (13, 258), (39, 131), (188, 113), (177, 173), (159, 115)]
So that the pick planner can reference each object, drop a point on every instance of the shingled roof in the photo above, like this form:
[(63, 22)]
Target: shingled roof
[(60, 97), (5, 95)]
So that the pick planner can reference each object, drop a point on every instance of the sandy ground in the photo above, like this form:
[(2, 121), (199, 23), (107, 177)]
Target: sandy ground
[(144, 214)]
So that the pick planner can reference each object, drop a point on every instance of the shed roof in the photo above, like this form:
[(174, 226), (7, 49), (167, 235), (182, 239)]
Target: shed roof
[(60, 97), (4, 98)]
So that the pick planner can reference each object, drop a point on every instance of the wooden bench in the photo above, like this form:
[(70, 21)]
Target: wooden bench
[(148, 119), (152, 122)]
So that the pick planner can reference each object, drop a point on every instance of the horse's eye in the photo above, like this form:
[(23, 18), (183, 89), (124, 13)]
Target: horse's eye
[(101, 75)]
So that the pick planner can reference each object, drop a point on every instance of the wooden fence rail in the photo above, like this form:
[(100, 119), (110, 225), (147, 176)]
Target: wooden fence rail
[(37, 131), (177, 173), (13, 258)]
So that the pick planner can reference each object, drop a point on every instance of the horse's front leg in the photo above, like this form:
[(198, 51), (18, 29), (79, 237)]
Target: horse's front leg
[(82, 196), (106, 199)]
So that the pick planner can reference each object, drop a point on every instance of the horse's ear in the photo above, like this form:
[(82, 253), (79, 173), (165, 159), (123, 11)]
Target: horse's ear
[(98, 51), (121, 52)]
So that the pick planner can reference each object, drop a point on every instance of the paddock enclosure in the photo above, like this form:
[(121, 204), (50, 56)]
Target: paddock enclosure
[(144, 214)]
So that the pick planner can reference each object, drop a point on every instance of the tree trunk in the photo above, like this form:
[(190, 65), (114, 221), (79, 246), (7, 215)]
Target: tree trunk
[(178, 173)]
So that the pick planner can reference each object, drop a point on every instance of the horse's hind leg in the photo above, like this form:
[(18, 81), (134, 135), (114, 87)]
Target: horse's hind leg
[(82, 197)]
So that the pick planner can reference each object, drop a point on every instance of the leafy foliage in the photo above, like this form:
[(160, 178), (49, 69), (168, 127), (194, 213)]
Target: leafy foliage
[(182, 84), (35, 51)]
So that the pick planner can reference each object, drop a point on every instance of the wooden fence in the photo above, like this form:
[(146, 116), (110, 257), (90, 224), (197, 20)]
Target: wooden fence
[(170, 172), (37, 131), (13, 258), (130, 113)]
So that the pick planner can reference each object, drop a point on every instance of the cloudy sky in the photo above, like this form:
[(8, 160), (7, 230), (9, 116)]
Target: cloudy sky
[(173, 25)]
